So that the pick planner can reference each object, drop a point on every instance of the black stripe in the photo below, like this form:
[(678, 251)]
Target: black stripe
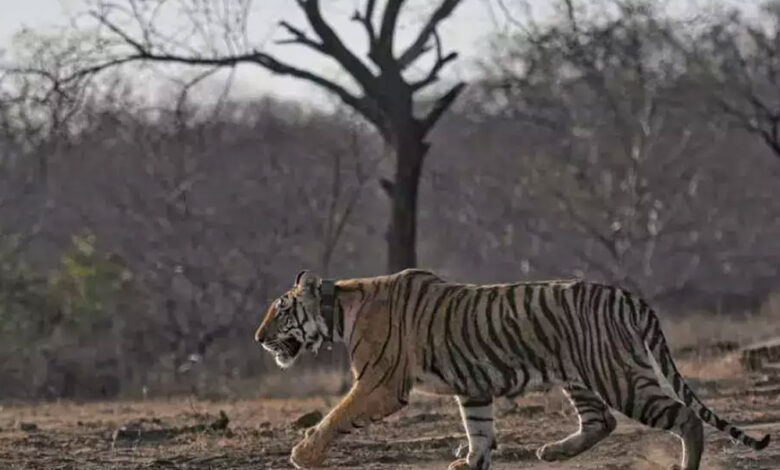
[(421, 308), (388, 336), (586, 331), (363, 371), (512, 327), (354, 348), (421, 295), (466, 311), (474, 402), (630, 394), (547, 312), (647, 408), (434, 369), (594, 420), (671, 413), (627, 336), (400, 309), (448, 342), (340, 318), (611, 347), (472, 365), (570, 329), (597, 363), (538, 330), (427, 362), (505, 369)]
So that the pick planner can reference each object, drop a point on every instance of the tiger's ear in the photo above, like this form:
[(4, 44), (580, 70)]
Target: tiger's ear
[(307, 281), (300, 276)]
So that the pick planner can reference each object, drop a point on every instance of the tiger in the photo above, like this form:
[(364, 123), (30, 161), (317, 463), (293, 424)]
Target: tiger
[(414, 330)]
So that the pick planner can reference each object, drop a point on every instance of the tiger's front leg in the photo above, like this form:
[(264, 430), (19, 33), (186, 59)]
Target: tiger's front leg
[(363, 405), (477, 417)]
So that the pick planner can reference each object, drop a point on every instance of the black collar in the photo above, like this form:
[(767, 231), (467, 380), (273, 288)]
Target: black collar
[(328, 306)]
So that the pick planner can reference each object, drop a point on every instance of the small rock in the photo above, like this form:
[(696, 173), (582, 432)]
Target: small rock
[(308, 420), (221, 423), (423, 417), (28, 427), (529, 411)]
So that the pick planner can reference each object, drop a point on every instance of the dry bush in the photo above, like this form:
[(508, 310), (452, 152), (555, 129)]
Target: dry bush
[(702, 330), (706, 345), (213, 213)]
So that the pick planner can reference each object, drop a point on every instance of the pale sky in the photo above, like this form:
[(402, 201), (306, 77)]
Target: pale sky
[(467, 32)]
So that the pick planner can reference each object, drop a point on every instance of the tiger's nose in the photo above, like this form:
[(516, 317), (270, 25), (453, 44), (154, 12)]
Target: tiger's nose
[(259, 335)]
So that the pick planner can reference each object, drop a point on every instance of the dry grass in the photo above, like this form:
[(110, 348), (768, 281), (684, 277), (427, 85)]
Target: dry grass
[(311, 382), (422, 436), (696, 338), (704, 329)]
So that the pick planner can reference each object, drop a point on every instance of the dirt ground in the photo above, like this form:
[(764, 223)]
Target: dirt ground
[(178, 434)]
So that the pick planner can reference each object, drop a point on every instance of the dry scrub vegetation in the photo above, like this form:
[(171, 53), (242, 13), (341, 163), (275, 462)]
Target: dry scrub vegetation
[(180, 432), (701, 330), (141, 237)]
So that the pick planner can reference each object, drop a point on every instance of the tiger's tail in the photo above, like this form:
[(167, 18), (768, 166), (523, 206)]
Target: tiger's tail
[(655, 341)]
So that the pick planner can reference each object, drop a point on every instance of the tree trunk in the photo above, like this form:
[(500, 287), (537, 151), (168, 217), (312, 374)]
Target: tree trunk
[(402, 232)]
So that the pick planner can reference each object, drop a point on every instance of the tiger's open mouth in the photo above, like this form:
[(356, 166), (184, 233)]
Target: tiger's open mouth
[(285, 351)]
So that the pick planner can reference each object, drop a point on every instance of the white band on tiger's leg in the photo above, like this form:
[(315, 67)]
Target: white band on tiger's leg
[(478, 420)]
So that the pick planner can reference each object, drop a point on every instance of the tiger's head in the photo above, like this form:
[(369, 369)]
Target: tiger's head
[(293, 322)]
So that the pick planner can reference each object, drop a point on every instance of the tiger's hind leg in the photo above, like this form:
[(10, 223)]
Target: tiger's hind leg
[(478, 420), (595, 420), (651, 405)]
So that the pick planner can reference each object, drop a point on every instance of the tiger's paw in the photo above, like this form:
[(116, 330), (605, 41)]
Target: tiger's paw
[(460, 464), (552, 453), (481, 463), (307, 454), (463, 449)]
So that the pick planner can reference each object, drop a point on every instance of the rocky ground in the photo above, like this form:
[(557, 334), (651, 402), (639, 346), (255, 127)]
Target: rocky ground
[(258, 434)]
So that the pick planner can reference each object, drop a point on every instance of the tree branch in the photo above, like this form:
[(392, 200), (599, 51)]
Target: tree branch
[(102, 19), (441, 105), (441, 61), (141, 53), (336, 48), (419, 46), (299, 37), (384, 43), (366, 19)]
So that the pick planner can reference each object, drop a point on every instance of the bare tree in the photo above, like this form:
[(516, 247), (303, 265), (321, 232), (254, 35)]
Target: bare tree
[(615, 155), (197, 204), (343, 198), (387, 93), (740, 58)]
